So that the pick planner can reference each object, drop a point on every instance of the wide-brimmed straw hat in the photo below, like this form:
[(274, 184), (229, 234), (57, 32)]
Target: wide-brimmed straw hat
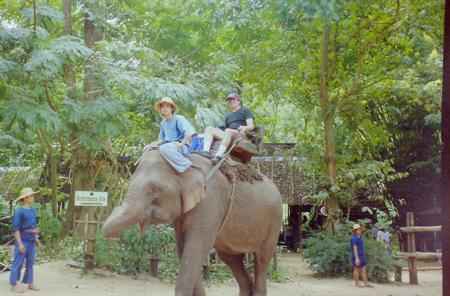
[(25, 192), (166, 100), (356, 226)]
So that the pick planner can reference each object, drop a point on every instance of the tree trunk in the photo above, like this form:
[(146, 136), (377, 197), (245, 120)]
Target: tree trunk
[(69, 78), (53, 162), (328, 115), (69, 75), (85, 172), (445, 156)]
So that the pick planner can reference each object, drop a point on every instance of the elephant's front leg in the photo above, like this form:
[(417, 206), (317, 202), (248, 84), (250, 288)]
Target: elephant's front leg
[(193, 246)]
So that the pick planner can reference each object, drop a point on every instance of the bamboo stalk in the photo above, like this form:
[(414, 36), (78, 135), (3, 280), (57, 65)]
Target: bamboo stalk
[(412, 229), (420, 255)]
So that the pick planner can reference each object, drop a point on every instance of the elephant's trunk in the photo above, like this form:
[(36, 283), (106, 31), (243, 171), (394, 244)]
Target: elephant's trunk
[(121, 218)]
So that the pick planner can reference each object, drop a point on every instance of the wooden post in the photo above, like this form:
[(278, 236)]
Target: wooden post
[(88, 231), (89, 256), (413, 280)]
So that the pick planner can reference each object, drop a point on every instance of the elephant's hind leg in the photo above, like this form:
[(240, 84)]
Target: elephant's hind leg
[(262, 261), (198, 289), (236, 264)]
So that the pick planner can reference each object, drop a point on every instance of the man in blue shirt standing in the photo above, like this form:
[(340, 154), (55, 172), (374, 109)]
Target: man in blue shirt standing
[(359, 260), (175, 135), (25, 229)]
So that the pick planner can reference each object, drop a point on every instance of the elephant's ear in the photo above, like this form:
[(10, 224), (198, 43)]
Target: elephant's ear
[(193, 190)]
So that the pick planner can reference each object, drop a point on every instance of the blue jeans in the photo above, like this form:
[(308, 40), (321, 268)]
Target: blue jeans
[(176, 157), (19, 258)]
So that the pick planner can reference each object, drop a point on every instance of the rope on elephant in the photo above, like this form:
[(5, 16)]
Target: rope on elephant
[(230, 205)]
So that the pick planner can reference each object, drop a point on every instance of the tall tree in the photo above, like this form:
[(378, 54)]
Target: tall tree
[(328, 117), (86, 169)]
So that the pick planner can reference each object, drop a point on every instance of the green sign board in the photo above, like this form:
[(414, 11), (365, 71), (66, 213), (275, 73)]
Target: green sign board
[(91, 199)]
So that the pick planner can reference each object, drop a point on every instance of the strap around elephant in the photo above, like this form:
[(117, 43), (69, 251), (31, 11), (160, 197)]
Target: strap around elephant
[(230, 207), (219, 164)]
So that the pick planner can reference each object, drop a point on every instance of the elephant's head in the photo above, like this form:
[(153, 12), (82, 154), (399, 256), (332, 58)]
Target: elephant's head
[(156, 195)]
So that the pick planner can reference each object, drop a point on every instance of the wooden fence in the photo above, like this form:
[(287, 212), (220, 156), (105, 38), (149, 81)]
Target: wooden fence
[(412, 255)]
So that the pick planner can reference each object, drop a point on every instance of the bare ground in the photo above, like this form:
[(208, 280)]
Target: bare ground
[(56, 278)]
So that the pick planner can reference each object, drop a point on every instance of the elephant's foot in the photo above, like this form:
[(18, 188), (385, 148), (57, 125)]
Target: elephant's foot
[(199, 290), (259, 293), (245, 292)]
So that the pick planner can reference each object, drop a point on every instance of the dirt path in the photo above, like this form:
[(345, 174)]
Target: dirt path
[(58, 279)]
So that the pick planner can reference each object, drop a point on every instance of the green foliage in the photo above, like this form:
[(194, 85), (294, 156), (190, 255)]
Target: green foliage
[(44, 11), (15, 178), (330, 255), (131, 254), (68, 248), (368, 179), (4, 257), (49, 226), (380, 264), (278, 275)]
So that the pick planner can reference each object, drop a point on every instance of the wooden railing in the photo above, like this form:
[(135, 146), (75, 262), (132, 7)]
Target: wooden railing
[(412, 255)]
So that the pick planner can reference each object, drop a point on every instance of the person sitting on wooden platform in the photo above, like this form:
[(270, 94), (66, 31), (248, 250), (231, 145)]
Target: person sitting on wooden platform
[(237, 123)]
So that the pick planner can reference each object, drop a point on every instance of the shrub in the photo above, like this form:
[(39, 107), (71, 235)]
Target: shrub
[(49, 226), (330, 254), (379, 262), (130, 255)]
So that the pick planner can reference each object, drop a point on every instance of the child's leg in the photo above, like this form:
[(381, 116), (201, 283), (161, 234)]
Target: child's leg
[(364, 275), (30, 257), (16, 266), (356, 276)]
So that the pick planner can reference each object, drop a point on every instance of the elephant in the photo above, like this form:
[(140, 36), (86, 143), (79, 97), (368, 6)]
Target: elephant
[(235, 218)]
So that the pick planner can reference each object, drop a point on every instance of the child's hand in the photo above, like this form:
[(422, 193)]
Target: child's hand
[(357, 262), (22, 249)]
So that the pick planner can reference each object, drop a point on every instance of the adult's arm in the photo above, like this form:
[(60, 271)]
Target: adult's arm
[(16, 223), (19, 241), (249, 122)]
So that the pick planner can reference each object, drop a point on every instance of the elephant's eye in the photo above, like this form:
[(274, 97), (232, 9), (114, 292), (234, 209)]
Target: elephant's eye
[(153, 190), (156, 201)]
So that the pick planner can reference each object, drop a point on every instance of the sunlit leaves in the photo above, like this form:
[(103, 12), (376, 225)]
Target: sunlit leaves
[(70, 48), (29, 114), (44, 64), (44, 11)]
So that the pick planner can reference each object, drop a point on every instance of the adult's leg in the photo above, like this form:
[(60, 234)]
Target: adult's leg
[(16, 267), (211, 133), (230, 135), (30, 254)]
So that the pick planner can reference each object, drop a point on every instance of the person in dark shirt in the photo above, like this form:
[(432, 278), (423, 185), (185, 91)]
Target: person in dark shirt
[(359, 260), (237, 122), (24, 224)]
